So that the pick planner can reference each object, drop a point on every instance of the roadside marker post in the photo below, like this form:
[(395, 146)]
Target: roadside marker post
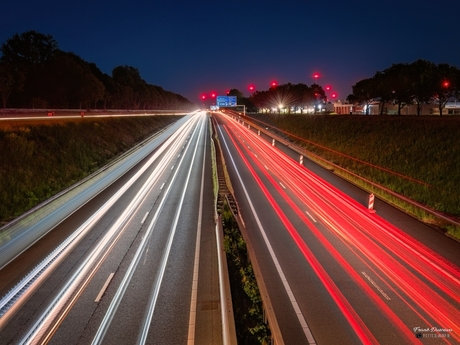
[(370, 206)]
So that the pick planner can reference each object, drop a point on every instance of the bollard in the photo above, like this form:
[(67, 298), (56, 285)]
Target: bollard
[(370, 206)]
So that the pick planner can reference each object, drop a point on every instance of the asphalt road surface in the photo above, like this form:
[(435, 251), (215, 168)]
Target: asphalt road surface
[(335, 272), (140, 266)]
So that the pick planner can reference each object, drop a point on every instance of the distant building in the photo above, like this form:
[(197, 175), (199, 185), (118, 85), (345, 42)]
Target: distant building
[(344, 108), (451, 108)]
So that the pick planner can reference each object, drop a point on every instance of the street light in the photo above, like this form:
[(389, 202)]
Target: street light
[(316, 76)]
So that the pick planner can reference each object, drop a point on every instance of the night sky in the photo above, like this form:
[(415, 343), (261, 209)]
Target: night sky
[(195, 47)]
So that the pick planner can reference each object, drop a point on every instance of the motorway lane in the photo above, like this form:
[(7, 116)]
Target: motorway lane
[(174, 295), (326, 239)]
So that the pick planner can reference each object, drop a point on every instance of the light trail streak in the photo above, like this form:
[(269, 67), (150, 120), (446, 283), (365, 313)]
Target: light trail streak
[(292, 299), (394, 270), (156, 290), (108, 317), (196, 261), (345, 155), (50, 319), (371, 239), (361, 330)]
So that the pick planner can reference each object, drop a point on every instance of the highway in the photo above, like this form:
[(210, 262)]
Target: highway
[(335, 272), (132, 265)]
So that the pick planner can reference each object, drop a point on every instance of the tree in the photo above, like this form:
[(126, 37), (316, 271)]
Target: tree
[(444, 84), (28, 48), (35, 73), (382, 88), (364, 92), (91, 90), (421, 76), (131, 88), (11, 80), (399, 81)]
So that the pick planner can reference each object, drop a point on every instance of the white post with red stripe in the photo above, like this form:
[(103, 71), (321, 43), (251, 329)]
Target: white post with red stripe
[(301, 160), (273, 142), (370, 206)]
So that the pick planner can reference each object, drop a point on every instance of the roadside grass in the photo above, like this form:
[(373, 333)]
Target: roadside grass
[(40, 158), (415, 156), (247, 302)]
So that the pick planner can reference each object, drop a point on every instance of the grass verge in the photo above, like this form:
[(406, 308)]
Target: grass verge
[(247, 302), (38, 159)]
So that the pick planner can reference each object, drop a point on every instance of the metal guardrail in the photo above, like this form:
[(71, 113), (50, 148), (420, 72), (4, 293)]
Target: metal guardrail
[(269, 313), (228, 320), (326, 164), (24, 231)]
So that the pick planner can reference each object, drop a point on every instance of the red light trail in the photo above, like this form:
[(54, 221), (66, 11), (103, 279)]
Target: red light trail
[(343, 154), (419, 280)]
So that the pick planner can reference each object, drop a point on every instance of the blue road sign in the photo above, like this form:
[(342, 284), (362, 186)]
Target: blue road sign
[(226, 101)]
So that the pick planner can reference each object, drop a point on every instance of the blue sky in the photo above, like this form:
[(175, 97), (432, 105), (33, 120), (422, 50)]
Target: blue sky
[(195, 47)]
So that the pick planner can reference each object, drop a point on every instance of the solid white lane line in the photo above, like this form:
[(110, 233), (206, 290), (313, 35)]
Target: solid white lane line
[(379, 289), (103, 327), (196, 264), (312, 218), (286, 285), (145, 217), (54, 307), (156, 290), (104, 287)]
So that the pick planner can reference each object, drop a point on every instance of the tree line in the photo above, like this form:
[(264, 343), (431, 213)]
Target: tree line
[(35, 73), (418, 83), (285, 97)]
